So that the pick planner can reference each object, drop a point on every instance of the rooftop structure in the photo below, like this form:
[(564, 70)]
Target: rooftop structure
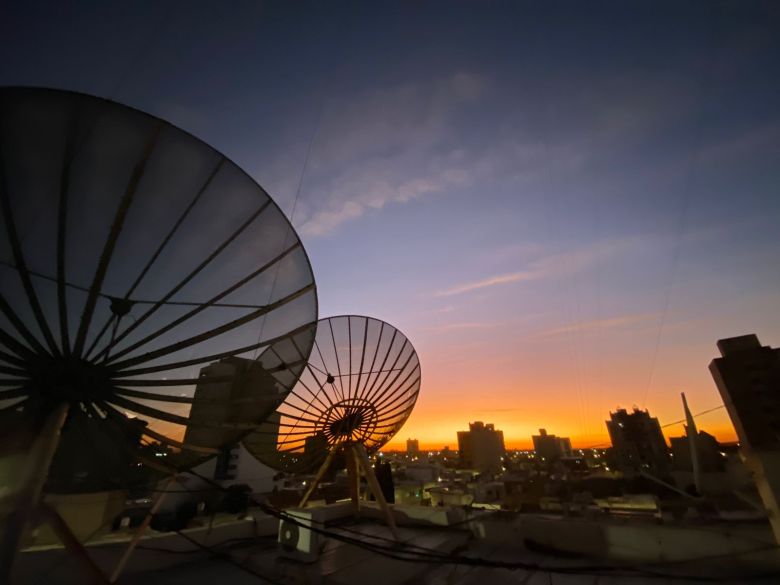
[(327, 545), (550, 447), (218, 397), (637, 442), (748, 377), (481, 447), (709, 453)]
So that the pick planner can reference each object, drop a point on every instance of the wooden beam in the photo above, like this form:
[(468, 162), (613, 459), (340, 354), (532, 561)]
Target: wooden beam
[(318, 478), (373, 483)]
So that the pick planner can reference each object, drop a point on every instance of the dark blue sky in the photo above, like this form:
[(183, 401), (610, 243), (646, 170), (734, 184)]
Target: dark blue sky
[(567, 203)]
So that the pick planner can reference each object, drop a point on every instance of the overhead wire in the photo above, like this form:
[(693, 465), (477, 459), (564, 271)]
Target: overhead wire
[(155, 34), (410, 552), (663, 426), (290, 229), (220, 555), (682, 224), (413, 553), (397, 552), (565, 295), (422, 555)]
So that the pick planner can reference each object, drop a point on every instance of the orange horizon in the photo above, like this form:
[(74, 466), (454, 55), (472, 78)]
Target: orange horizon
[(723, 432), (719, 426)]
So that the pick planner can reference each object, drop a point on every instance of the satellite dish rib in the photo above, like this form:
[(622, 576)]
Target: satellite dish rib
[(355, 393), (155, 303)]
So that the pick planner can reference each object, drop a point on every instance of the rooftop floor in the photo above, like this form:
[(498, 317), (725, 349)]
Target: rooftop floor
[(254, 556)]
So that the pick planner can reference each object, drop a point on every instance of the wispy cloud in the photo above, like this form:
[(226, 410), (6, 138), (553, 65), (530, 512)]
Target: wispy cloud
[(466, 325), (394, 144), (552, 265), (488, 282), (386, 146), (362, 191), (607, 323)]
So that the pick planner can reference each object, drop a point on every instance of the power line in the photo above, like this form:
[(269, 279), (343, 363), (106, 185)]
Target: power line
[(223, 556), (416, 554), (431, 555), (682, 224), (677, 422)]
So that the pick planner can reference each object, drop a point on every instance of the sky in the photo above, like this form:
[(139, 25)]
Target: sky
[(563, 206)]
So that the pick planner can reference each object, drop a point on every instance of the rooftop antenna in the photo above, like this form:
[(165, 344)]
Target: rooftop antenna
[(355, 394), (143, 278)]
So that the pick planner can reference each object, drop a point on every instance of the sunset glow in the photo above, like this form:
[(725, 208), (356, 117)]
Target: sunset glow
[(563, 215)]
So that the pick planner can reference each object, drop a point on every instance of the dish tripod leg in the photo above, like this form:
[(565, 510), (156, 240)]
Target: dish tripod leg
[(140, 532), (353, 479), (29, 506), (318, 478), (361, 456), (357, 457), (71, 543)]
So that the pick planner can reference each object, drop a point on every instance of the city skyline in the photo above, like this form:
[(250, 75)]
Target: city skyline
[(670, 429), (562, 214)]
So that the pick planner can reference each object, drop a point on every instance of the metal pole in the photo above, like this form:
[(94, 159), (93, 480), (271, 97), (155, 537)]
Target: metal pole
[(139, 533), (693, 440)]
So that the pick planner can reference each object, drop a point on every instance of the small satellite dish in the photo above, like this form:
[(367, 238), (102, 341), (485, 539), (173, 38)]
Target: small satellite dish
[(355, 394), (143, 279)]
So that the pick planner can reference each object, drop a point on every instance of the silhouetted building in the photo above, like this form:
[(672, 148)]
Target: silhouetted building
[(637, 442), (226, 465), (748, 378), (316, 446), (384, 475), (90, 460), (550, 447), (709, 452), (233, 389), (412, 446), (228, 391), (481, 447)]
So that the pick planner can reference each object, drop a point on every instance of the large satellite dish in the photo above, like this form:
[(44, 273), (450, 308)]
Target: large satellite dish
[(143, 279), (359, 387)]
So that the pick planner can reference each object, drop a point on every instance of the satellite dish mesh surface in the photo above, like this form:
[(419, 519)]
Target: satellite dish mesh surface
[(360, 385), (144, 278)]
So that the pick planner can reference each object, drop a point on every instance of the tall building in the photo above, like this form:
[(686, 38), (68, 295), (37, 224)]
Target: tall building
[(748, 378), (217, 399), (226, 390), (710, 459), (412, 446), (550, 447), (637, 442), (481, 447)]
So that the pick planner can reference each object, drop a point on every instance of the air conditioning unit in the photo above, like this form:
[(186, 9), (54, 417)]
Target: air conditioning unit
[(298, 542)]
